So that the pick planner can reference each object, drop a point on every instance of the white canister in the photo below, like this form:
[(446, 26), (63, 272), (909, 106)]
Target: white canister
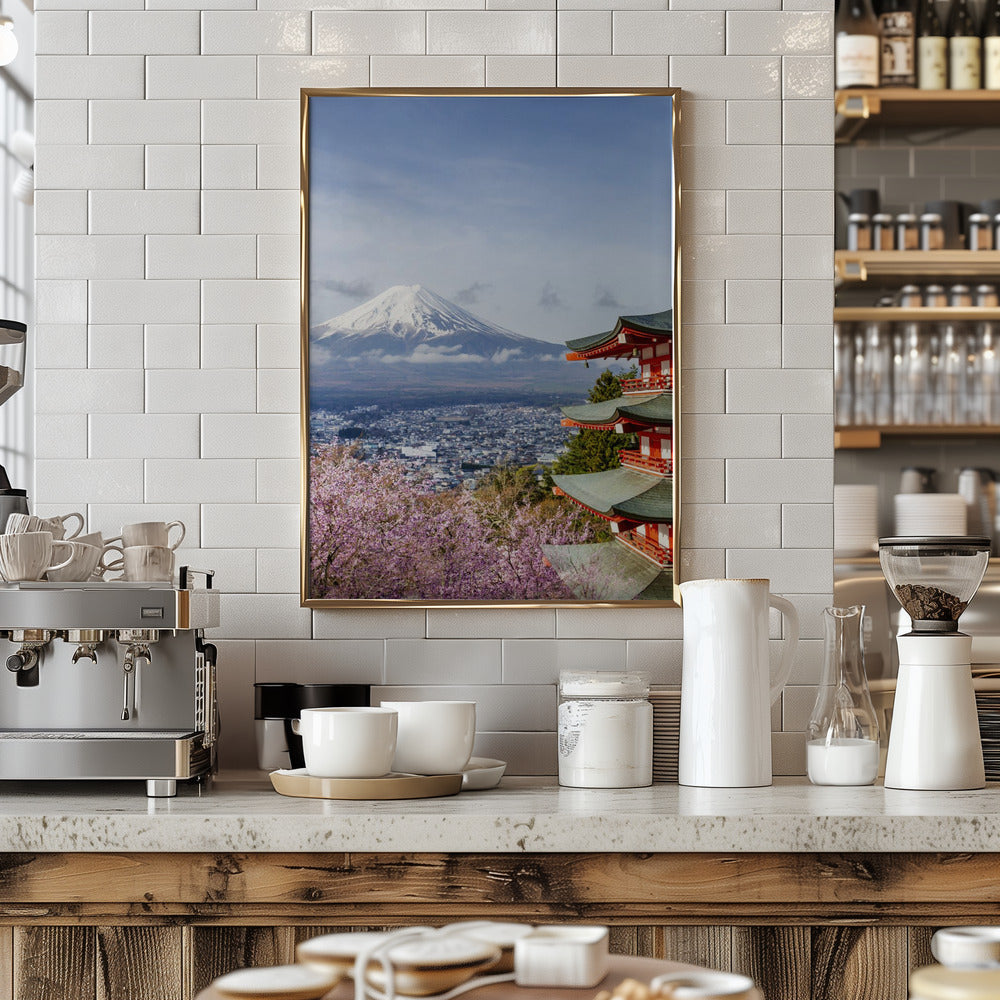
[(605, 729)]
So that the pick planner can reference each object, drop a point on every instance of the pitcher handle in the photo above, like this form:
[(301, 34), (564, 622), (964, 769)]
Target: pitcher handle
[(791, 641)]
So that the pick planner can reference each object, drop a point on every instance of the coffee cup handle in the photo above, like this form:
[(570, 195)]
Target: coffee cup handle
[(297, 726), (176, 524), (111, 567), (79, 527), (65, 562)]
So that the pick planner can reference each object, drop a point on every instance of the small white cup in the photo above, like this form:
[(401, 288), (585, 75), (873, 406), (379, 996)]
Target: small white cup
[(81, 566), (150, 533), (18, 524), (435, 737), (27, 555), (147, 562), (347, 742)]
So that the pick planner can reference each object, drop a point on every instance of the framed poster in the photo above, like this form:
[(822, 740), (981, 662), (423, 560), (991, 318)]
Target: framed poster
[(490, 347)]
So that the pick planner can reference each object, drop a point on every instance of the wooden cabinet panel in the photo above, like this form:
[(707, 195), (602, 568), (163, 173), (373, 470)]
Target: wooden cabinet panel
[(54, 963), (778, 959), (213, 951), (865, 963), (139, 962)]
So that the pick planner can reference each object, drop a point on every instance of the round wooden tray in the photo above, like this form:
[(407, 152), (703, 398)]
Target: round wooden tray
[(300, 784)]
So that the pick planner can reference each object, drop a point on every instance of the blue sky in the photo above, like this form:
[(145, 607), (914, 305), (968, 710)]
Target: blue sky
[(547, 215)]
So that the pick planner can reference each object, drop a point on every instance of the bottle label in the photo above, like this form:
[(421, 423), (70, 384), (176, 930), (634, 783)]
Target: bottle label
[(991, 62), (898, 63), (932, 63), (857, 61), (965, 59)]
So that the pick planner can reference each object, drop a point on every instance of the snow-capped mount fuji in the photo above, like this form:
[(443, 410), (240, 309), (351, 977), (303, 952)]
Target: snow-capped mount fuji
[(410, 323), (411, 346)]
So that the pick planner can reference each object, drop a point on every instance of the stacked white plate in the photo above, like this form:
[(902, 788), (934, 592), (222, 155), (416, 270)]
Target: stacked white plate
[(930, 514), (666, 704), (855, 520)]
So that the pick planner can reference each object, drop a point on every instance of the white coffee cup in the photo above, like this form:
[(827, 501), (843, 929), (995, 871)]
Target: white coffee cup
[(18, 524), (81, 565), (112, 560), (347, 742), (27, 555), (57, 525), (148, 562), (150, 533), (434, 737)]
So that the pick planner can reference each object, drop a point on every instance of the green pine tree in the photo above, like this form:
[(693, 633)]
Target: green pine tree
[(595, 451)]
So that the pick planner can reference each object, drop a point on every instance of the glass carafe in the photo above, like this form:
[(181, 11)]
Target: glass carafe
[(842, 738)]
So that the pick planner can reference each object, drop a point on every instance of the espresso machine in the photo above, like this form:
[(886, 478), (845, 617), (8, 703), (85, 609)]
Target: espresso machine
[(109, 681)]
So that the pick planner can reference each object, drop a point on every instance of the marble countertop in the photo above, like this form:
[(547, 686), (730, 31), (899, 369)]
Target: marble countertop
[(244, 814)]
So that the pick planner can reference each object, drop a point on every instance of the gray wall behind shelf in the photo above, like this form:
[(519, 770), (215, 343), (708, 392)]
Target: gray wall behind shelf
[(167, 382)]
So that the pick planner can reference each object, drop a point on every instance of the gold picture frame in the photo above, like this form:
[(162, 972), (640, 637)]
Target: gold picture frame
[(404, 500)]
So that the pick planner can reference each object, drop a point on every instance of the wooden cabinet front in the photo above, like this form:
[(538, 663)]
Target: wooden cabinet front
[(161, 927)]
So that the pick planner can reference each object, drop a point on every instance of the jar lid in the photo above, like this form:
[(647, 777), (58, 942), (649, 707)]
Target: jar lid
[(858, 217), (906, 217), (937, 982), (932, 217), (604, 683), (980, 218), (882, 217)]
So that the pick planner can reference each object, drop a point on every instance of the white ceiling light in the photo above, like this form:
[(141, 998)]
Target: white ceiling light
[(8, 40)]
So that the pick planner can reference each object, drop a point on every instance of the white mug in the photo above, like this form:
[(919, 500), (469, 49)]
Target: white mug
[(27, 555), (147, 562), (347, 742), (81, 565), (150, 533), (726, 688), (57, 525), (18, 524), (435, 737)]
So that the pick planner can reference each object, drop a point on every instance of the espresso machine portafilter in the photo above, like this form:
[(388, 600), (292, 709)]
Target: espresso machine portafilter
[(111, 681)]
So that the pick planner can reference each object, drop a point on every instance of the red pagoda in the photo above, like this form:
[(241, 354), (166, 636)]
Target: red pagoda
[(636, 499)]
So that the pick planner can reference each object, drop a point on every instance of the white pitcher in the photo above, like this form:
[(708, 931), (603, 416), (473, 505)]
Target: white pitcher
[(726, 689)]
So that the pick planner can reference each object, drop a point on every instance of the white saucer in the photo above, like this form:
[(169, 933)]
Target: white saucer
[(482, 772)]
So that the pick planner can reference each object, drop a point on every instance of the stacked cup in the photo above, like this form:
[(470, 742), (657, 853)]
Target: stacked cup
[(147, 551), (32, 548)]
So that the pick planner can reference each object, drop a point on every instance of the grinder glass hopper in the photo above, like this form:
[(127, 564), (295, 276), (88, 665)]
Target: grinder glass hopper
[(934, 739)]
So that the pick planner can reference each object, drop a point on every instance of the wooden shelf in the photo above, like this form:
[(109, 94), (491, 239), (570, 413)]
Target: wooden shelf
[(857, 107), (897, 314), (860, 265), (853, 437)]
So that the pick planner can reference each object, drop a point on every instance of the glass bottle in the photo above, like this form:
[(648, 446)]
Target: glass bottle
[(842, 737), (897, 25), (857, 45), (991, 45), (964, 45), (932, 49)]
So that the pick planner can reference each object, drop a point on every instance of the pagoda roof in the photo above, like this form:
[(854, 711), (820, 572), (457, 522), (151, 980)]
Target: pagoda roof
[(652, 325), (637, 496), (649, 409), (609, 571)]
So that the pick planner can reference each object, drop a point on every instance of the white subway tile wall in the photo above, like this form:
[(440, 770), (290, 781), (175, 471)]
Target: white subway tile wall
[(167, 336)]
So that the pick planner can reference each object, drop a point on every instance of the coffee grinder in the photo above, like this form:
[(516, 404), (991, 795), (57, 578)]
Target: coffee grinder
[(934, 740)]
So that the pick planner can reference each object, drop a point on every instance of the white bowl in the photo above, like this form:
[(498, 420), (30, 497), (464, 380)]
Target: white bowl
[(482, 772), (705, 985), (967, 947), (282, 982)]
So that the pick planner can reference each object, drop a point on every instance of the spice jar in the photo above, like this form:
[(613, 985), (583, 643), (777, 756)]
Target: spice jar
[(883, 237), (910, 297), (934, 297), (859, 231), (986, 297), (931, 231), (980, 231), (907, 232), (959, 297), (605, 729)]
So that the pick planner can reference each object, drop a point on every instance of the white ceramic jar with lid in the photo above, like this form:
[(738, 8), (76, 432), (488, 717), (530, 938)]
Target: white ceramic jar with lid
[(605, 729)]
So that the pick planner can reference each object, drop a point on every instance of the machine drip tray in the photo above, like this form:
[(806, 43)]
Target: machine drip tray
[(95, 734), (158, 757)]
